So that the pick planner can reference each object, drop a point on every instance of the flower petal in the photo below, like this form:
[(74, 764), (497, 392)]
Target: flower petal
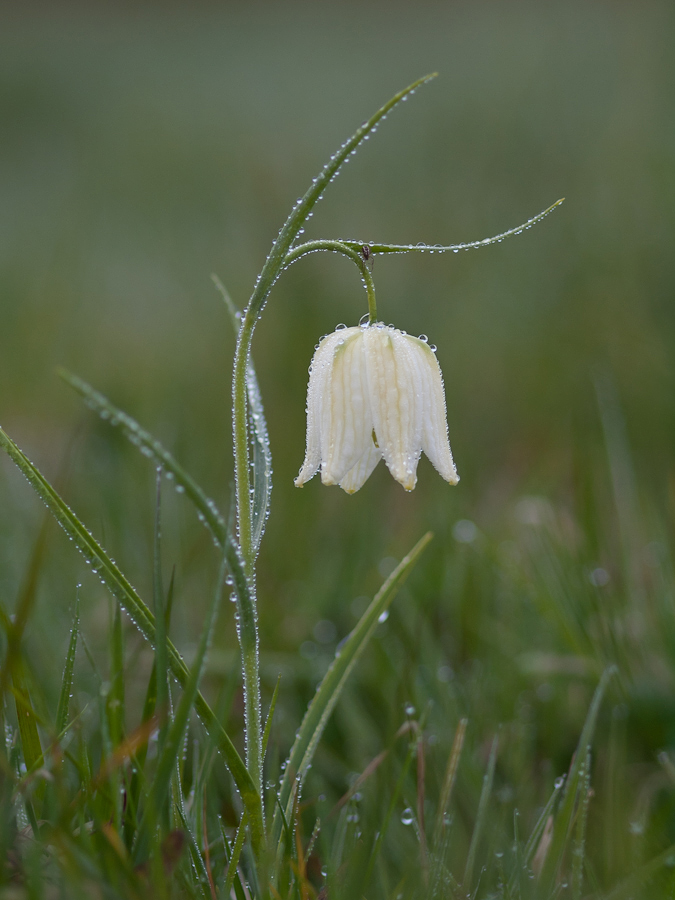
[(393, 382), (359, 474), (435, 442), (317, 397), (347, 421)]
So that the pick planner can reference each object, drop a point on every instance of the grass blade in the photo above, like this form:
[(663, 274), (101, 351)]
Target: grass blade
[(161, 667), (261, 453), (449, 780), (563, 820), (329, 690), (28, 730), (67, 680), (137, 610), (167, 759), (628, 887), (234, 856), (270, 716), (535, 836), (115, 699), (480, 818), (148, 445), (379, 840), (580, 837)]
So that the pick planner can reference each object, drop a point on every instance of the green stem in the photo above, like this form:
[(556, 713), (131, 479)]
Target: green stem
[(356, 256)]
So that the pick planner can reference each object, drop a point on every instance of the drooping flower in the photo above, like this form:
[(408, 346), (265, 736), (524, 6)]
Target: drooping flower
[(374, 392)]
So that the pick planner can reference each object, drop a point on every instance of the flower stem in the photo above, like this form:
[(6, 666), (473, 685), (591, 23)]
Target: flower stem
[(274, 264), (356, 256)]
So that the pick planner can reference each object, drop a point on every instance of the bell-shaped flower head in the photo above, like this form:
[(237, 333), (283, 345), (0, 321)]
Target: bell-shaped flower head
[(374, 392)]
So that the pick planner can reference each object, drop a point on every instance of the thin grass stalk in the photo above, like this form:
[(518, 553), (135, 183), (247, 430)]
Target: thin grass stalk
[(234, 856), (579, 849), (480, 817), (67, 680), (390, 811), (449, 780), (328, 693)]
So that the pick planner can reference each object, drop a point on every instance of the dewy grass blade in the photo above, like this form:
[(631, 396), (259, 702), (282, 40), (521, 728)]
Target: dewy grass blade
[(441, 248), (27, 719), (579, 850), (329, 690), (480, 818), (379, 840), (535, 836), (115, 699), (67, 680), (234, 856), (161, 667), (262, 454), (167, 759), (449, 780), (150, 446), (563, 820), (270, 716), (139, 613)]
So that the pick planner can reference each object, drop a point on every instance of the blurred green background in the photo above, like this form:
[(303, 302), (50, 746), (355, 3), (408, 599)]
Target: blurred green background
[(144, 147)]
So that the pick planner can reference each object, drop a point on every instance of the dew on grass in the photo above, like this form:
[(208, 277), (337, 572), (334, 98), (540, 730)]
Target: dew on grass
[(407, 816)]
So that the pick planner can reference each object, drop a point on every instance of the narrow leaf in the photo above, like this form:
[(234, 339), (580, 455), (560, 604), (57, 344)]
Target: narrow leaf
[(161, 666), (329, 690), (28, 730), (270, 716), (150, 446), (390, 812), (115, 699), (308, 201), (137, 610), (480, 817), (234, 856), (563, 820), (67, 680), (449, 780), (626, 889), (261, 452), (440, 248), (174, 738)]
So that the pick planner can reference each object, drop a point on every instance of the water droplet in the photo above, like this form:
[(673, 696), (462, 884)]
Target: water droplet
[(383, 616), (407, 816)]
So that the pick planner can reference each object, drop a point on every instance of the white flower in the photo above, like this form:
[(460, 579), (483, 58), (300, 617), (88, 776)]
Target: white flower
[(374, 392)]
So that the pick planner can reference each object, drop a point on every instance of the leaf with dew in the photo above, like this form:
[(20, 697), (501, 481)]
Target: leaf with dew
[(328, 693), (121, 589)]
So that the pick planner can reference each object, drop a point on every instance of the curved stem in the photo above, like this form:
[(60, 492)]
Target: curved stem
[(356, 256)]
